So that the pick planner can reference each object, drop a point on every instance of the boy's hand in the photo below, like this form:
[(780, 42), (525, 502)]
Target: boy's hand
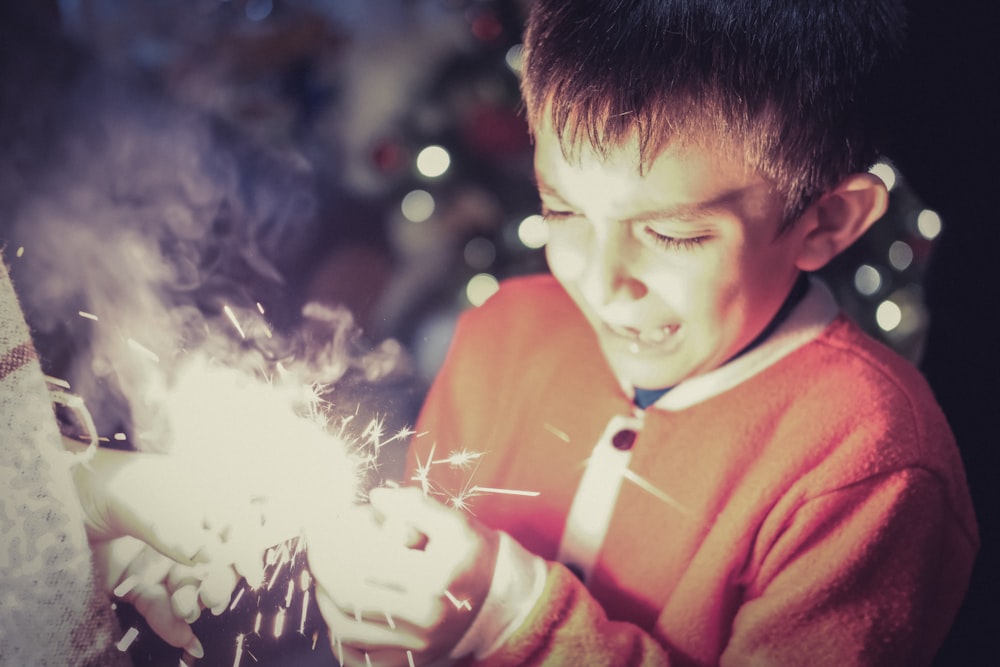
[(185, 512), (170, 596), (409, 580)]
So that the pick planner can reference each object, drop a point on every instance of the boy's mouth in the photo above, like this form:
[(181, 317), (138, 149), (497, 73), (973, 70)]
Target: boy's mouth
[(643, 339)]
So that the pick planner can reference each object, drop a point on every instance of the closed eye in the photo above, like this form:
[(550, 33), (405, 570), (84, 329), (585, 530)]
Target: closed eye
[(673, 242)]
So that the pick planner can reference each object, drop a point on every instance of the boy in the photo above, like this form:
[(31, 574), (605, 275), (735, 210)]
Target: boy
[(676, 450)]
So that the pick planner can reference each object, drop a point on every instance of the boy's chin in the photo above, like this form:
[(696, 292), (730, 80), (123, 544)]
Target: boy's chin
[(644, 373)]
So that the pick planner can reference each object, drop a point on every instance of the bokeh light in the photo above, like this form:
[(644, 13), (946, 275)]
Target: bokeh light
[(515, 57), (867, 280), (888, 315), (433, 161), (885, 172), (900, 255), (481, 287), (929, 224), (417, 205), (533, 231)]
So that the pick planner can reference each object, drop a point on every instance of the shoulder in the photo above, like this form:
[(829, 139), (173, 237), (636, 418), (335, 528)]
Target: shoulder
[(523, 306), (869, 375), (873, 413)]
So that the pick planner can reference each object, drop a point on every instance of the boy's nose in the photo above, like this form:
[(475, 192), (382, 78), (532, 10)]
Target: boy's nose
[(610, 276)]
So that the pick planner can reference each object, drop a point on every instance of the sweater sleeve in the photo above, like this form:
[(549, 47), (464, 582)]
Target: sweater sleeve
[(869, 574), (568, 627)]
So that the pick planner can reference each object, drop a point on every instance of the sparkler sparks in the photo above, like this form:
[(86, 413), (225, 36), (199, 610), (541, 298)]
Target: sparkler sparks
[(89, 316), (126, 641), (236, 323), (562, 435), (127, 584), (645, 485), (239, 649), (236, 599), (459, 604), (477, 490), (460, 458)]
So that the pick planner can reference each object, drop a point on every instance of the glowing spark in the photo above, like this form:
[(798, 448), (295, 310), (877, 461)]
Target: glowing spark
[(288, 595), (256, 624), (459, 604), (409, 658), (239, 649), (305, 580), (279, 622), (459, 501), (120, 437), (562, 435), (89, 316), (460, 458), (20, 251), (143, 350), (260, 308), (646, 486), (122, 589), (237, 599), (401, 434), (389, 620), (374, 431), (305, 610), (368, 660), (476, 490), (232, 318), (127, 639), (420, 474), (315, 639)]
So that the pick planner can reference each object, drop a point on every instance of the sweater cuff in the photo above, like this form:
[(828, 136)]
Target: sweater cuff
[(517, 585)]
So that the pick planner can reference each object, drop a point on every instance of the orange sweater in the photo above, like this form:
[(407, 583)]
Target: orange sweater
[(804, 504)]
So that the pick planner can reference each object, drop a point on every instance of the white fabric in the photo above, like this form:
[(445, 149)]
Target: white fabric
[(518, 582)]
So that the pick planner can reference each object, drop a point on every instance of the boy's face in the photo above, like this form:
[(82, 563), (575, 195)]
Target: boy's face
[(676, 269)]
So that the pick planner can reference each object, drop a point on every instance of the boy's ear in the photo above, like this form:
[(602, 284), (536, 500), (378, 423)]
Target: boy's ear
[(839, 217)]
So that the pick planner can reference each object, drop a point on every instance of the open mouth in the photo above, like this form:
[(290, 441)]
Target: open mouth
[(640, 340)]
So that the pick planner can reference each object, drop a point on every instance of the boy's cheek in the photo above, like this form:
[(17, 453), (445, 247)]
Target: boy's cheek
[(566, 262)]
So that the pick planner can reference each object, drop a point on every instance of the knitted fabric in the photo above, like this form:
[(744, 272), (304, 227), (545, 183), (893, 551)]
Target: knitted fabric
[(51, 612)]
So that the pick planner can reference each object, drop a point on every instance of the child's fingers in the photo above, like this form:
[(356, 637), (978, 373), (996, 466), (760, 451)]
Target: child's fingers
[(155, 606), (184, 603), (217, 588), (409, 506)]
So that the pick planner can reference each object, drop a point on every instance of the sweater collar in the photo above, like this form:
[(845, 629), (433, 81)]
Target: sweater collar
[(804, 323)]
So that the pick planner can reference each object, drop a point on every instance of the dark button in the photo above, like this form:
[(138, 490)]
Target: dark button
[(623, 439)]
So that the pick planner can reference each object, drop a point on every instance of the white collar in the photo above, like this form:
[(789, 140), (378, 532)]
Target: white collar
[(805, 323)]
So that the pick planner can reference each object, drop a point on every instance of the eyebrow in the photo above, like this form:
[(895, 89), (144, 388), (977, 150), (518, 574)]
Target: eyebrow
[(693, 211)]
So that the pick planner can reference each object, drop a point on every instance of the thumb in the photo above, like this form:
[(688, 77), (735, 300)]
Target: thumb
[(411, 508)]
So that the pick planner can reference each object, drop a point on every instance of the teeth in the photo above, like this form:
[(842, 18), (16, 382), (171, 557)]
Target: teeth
[(649, 337), (653, 337)]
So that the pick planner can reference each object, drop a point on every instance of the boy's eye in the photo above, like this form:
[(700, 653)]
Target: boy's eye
[(673, 242), (551, 215)]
